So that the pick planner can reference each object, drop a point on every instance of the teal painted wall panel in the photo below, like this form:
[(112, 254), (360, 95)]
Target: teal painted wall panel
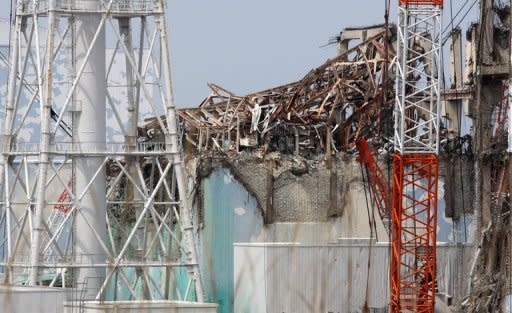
[(230, 215)]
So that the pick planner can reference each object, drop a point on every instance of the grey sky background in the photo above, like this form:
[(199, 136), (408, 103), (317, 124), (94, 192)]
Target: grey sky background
[(246, 46)]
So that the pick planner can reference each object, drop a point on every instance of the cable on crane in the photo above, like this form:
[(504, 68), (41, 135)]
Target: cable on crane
[(366, 198), (459, 113), (459, 126), (387, 5), (371, 232), (450, 25), (11, 23)]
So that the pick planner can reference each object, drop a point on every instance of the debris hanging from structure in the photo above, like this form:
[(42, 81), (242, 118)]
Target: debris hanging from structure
[(327, 110)]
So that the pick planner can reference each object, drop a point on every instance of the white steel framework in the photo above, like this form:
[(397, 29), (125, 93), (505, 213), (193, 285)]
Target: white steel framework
[(417, 85), (86, 203)]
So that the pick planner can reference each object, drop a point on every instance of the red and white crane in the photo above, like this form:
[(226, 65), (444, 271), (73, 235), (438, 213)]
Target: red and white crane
[(413, 209), (415, 161)]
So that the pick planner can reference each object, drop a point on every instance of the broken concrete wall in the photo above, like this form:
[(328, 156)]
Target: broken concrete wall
[(230, 213), (458, 174), (292, 192), (279, 198), (491, 163), (318, 201)]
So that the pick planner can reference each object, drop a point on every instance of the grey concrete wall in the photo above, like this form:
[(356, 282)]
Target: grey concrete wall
[(16, 299)]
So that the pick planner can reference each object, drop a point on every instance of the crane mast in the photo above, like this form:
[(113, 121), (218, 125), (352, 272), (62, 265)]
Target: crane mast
[(415, 160)]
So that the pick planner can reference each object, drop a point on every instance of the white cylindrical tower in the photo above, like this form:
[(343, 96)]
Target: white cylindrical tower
[(89, 136)]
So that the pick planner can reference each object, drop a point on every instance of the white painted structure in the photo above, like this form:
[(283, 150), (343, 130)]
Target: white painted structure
[(24, 299), (89, 129), (420, 24), (127, 235)]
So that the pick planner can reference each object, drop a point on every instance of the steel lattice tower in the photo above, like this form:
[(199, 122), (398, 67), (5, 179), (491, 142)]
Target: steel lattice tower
[(415, 178), (85, 202)]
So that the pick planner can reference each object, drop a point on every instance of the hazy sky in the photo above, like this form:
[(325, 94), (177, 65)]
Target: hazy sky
[(248, 46)]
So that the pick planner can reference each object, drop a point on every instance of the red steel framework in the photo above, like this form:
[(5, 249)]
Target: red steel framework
[(379, 188), (413, 233), (65, 200), (413, 215)]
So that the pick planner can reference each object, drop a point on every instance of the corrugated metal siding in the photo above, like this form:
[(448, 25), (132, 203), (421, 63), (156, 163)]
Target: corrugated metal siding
[(331, 278), (323, 278), (249, 270)]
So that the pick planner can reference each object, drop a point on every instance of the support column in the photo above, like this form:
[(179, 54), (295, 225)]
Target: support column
[(44, 156), (7, 136), (173, 147)]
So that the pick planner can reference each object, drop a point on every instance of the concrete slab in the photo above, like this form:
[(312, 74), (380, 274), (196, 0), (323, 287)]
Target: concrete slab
[(24, 299)]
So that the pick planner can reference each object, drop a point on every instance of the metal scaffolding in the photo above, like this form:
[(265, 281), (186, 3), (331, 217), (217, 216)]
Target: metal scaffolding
[(85, 202)]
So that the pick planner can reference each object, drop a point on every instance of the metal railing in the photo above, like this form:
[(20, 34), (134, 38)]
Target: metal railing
[(54, 260), (92, 147), (118, 6)]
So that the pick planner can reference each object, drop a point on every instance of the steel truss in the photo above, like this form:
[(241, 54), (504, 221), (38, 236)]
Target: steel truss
[(414, 196), (418, 71), (141, 235), (413, 231)]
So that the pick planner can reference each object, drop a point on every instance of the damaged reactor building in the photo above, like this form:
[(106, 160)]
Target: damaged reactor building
[(377, 182)]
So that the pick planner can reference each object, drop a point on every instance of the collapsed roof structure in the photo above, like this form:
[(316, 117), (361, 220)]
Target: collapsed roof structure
[(327, 110)]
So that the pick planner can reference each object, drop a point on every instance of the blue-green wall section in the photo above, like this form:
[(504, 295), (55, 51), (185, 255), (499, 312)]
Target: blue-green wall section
[(231, 215)]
